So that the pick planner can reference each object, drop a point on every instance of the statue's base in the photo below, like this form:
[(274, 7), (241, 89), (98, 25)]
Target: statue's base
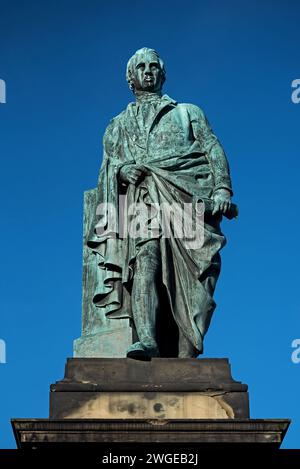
[(166, 403), (163, 388)]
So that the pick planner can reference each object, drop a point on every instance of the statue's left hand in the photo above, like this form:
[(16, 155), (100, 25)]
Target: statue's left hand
[(222, 201)]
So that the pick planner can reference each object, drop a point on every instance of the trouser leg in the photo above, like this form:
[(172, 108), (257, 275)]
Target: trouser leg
[(145, 300), (209, 280)]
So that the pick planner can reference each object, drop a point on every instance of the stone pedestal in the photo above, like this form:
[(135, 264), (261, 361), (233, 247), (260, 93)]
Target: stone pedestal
[(163, 388), (166, 404)]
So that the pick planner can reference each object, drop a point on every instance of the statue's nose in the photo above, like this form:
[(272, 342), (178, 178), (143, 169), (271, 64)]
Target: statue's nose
[(147, 68)]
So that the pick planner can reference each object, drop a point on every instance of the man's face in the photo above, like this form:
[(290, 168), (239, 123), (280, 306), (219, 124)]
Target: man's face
[(147, 74)]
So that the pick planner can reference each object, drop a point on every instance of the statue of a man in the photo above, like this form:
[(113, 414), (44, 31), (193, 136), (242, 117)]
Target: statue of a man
[(158, 151)]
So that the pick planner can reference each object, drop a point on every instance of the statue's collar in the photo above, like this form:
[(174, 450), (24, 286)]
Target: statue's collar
[(132, 108), (148, 98)]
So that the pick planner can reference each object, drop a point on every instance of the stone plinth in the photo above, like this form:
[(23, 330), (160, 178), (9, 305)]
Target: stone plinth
[(167, 404), (168, 388)]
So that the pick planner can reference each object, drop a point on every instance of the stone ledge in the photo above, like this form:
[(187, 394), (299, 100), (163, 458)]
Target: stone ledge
[(163, 374), (50, 432)]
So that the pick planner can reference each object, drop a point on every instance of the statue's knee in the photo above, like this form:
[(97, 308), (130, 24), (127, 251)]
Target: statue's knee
[(148, 260)]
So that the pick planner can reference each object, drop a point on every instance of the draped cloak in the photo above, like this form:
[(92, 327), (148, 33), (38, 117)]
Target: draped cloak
[(185, 163)]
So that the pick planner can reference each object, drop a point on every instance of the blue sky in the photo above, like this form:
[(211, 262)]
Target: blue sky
[(64, 67)]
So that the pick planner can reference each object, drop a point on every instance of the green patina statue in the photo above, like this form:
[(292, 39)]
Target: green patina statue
[(160, 152)]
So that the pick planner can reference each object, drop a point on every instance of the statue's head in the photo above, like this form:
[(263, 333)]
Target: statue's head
[(145, 71)]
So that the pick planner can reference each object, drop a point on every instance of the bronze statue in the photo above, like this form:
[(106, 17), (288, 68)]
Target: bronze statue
[(158, 151)]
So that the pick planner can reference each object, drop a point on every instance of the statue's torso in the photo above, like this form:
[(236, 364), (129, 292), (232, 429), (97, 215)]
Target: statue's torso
[(168, 131)]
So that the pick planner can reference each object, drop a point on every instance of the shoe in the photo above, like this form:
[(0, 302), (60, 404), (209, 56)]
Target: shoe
[(139, 351)]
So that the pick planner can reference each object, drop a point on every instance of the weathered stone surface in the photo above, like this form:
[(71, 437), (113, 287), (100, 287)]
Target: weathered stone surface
[(159, 405), (164, 374), (161, 388)]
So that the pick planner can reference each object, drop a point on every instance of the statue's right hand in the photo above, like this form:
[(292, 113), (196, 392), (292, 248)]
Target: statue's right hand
[(131, 173)]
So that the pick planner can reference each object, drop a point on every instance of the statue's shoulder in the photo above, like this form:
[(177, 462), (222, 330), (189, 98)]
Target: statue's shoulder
[(113, 128), (194, 111), (116, 121)]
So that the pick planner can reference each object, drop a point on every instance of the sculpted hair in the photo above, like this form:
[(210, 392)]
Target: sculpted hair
[(130, 69)]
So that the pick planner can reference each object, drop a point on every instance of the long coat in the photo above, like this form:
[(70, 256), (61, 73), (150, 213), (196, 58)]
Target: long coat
[(185, 163)]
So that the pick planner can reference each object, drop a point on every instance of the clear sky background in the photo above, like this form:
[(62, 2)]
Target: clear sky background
[(64, 66)]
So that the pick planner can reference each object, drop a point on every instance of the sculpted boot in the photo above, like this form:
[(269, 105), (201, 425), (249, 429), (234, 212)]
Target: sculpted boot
[(144, 315), (145, 301)]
